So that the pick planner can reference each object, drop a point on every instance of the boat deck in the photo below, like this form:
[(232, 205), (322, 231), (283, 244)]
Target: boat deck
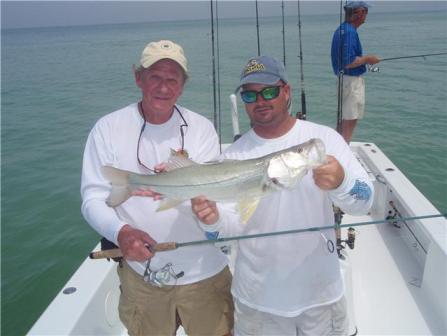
[(386, 283), (386, 294), (395, 276)]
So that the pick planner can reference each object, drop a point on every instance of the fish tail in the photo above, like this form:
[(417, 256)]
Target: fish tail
[(120, 188)]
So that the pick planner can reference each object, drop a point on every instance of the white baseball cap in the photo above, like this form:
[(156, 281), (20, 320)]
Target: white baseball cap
[(164, 49)]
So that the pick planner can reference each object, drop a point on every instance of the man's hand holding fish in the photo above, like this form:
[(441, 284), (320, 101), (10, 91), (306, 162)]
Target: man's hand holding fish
[(205, 210), (329, 175)]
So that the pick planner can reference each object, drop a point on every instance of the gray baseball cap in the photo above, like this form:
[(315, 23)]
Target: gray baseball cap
[(263, 70)]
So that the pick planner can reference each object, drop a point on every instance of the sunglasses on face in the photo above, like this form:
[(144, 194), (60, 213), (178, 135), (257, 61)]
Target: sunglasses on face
[(267, 93)]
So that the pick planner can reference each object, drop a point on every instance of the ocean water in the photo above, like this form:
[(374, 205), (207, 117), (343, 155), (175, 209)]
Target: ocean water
[(56, 82)]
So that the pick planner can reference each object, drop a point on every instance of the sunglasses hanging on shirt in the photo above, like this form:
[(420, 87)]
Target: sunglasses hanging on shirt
[(180, 151)]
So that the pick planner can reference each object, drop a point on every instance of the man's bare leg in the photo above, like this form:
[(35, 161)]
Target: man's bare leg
[(348, 129)]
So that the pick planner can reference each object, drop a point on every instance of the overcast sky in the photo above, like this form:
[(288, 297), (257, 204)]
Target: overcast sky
[(20, 14)]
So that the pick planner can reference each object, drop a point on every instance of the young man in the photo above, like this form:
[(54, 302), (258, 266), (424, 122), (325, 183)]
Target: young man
[(290, 284), (137, 138), (347, 58)]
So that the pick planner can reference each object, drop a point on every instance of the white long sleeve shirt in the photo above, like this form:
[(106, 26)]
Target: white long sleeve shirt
[(288, 274), (113, 142)]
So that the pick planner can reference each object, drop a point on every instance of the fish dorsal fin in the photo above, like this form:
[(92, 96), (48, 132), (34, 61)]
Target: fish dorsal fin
[(166, 204), (247, 209), (177, 161)]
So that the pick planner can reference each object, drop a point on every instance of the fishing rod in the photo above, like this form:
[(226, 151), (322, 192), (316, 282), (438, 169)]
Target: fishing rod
[(413, 56), (168, 246), (218, 77), (283, 34), (303, 114), (375, 68), (340, 75), (257, 28), (214, 66)]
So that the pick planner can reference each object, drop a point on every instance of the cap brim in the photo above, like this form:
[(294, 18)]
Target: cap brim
[(356, 6), (162, 57)]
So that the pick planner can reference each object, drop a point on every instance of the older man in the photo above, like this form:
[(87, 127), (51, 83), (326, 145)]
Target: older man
[(288, 285), (348, 60), (193, 284)]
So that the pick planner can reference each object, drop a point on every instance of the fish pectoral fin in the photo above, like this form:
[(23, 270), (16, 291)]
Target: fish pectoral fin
[(166, 204), (247, 209)]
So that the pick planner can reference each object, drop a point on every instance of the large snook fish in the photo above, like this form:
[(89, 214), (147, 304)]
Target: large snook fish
[(242, 181)]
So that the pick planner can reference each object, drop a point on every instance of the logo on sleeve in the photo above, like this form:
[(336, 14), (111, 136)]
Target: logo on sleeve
[(360, 191)]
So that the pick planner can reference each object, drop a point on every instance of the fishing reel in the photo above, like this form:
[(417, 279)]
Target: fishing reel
[(391, 218), (342, 243), (373, 68), (162, 277), (351, 238), (165, 276), (393, 215)]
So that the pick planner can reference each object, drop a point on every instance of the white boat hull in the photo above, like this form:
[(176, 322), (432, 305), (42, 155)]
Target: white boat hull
[(395, 277)]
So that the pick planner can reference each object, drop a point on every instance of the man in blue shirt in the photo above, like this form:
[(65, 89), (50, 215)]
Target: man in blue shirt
[(348, 61)]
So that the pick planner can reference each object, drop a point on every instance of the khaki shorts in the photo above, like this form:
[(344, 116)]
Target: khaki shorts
[(353, 97), (328, 320), (204, 307)]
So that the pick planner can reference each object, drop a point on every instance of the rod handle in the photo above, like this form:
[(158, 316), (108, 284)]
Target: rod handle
[(112, 253), (160, 247), (116, 253)]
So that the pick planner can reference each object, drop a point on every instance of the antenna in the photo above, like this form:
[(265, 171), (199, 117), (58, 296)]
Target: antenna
[(283, 33), (257, 29)]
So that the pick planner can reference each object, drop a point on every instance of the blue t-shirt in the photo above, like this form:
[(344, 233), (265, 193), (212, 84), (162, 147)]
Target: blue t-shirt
[(351, 49)]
